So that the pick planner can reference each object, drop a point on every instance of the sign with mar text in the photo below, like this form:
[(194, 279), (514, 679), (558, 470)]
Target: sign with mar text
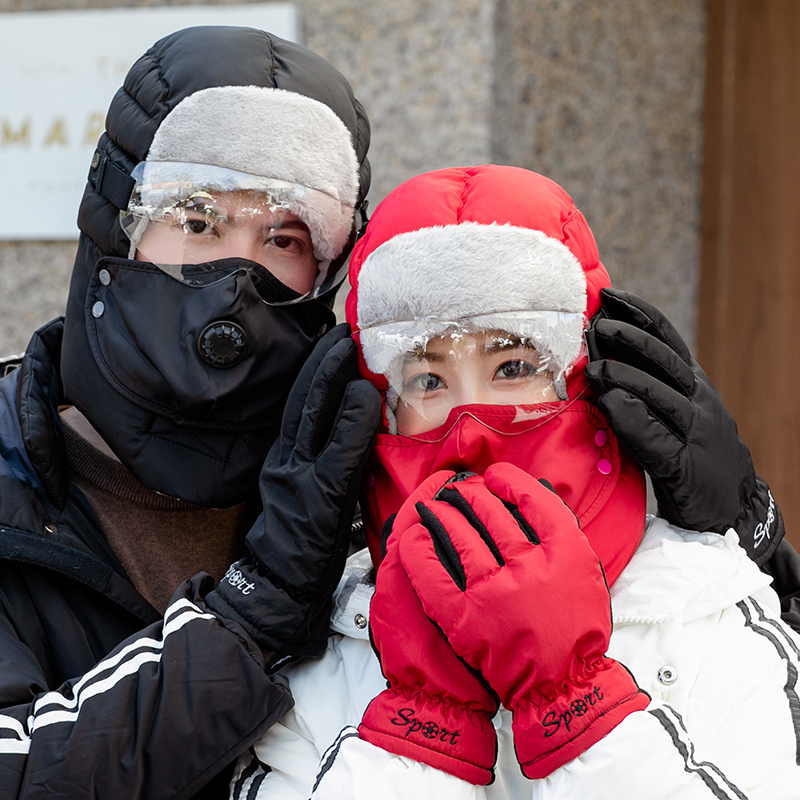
[(58, 73)]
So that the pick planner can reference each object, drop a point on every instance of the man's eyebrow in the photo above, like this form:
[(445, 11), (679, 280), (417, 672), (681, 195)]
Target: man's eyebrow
[(291, 223)]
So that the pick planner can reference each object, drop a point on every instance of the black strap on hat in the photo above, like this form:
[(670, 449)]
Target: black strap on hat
[(109, 180)]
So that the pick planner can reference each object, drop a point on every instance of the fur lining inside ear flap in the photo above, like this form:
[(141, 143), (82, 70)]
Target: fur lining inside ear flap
[(329, 221)]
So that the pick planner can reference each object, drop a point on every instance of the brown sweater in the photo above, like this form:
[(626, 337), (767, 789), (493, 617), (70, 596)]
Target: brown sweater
[(160, 541)]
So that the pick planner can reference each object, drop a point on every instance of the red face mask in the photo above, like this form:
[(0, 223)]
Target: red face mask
[(568, 444)]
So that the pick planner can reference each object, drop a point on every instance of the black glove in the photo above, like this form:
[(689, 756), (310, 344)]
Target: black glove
[(310, 482), (666, 411)]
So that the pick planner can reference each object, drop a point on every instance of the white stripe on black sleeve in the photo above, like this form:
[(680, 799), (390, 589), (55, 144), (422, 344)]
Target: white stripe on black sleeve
[(13, 736), (54, 707)]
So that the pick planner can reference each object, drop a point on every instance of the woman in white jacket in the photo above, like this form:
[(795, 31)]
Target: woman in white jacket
[(498, 673)]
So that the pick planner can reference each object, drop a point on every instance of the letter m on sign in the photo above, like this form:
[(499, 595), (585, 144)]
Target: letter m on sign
[(9, 136)]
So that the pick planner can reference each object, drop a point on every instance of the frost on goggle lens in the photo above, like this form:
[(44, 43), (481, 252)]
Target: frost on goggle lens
[(188, 214)]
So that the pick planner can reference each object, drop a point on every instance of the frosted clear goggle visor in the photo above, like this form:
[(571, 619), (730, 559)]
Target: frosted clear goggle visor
[(515, 359), (182, 215)]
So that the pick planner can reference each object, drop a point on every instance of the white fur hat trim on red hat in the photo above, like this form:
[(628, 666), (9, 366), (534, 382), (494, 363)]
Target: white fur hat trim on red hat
[(477, 277)]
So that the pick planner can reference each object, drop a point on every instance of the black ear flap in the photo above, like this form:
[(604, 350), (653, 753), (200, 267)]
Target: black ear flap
[(386, 532)]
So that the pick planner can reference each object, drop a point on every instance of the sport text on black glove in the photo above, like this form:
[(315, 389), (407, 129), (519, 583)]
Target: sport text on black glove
[(309, 483)]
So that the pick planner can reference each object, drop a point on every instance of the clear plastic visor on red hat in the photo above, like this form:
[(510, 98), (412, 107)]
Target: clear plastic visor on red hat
[(509, 367), (182, 216)]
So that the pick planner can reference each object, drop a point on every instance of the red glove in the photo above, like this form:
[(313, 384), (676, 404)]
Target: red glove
[(500, 564), (436, 710)]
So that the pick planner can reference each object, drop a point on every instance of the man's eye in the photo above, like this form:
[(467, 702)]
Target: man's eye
[(283, 242), (293, 244), (197, 226), (516, 369)]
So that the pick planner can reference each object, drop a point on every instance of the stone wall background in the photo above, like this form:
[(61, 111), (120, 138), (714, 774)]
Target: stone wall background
[(604, 96)]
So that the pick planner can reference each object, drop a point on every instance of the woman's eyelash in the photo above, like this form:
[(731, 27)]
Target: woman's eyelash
[(520, 366), (423, 382)]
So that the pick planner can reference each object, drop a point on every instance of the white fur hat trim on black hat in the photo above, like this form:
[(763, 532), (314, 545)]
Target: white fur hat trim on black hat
[(274, 134), (476, 277)]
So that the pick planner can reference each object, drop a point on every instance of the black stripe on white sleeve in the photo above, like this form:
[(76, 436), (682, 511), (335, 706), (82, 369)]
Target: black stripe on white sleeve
[(251, 778), (787, 649), (329, 756), (710, 774)]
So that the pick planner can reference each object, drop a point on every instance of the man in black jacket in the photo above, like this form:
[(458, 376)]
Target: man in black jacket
[(221, 205), (135, 436)]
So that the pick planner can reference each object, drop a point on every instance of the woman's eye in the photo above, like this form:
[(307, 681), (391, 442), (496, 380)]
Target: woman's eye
[(424, 382), (516, 369)]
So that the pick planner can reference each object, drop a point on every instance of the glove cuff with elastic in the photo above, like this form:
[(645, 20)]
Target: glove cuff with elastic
[(760, 523), (277, 622), (459, 741), (549, 733)]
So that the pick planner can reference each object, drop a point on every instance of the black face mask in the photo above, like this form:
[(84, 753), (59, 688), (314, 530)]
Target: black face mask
[(186, 381)]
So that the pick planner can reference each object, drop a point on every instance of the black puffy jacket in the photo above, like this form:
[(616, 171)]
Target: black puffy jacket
[(101, 697)]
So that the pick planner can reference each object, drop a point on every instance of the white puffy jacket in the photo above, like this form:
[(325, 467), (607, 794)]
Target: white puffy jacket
[(694, 620)]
